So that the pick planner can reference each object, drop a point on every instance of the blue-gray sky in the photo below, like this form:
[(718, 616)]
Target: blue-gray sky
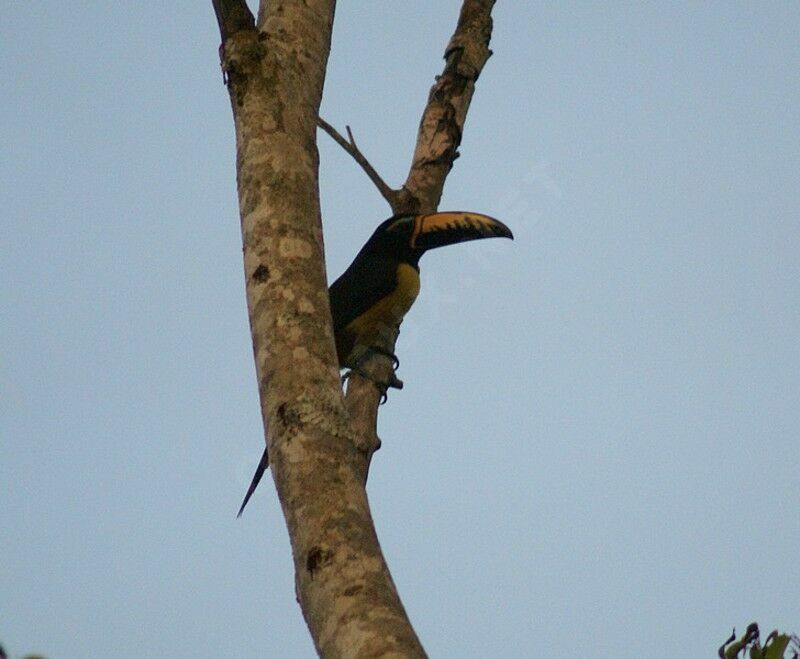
[(596, 452)]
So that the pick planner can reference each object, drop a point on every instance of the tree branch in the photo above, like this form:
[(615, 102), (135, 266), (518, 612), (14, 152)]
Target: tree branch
[(442, 123), (438, 138), (233, 16)]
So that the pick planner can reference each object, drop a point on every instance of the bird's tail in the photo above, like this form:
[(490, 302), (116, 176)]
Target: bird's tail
[(262, 467)]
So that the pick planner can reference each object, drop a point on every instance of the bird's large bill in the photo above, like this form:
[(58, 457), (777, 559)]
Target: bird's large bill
[(439, 229)]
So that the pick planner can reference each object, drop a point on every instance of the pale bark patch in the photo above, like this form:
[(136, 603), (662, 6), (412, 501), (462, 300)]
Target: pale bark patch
[(304, 305), (295, 248), (300, 353)]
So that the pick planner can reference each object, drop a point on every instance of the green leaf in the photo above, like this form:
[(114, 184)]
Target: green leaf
[(776, 649)]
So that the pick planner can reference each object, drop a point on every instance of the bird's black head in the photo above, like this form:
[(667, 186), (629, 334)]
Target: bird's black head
[(410, 236)]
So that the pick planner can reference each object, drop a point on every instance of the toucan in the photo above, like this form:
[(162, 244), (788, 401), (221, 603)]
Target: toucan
[(374, 294)]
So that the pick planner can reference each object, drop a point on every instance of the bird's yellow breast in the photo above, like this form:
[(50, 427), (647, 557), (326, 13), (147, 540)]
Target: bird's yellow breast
[(387, 313)]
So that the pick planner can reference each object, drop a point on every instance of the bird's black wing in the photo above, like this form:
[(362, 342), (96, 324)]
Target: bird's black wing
[(363, 284)]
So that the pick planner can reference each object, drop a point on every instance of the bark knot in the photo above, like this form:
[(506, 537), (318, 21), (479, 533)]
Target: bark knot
[(289, 417), (352, 590), (317, 559), (261, 274)]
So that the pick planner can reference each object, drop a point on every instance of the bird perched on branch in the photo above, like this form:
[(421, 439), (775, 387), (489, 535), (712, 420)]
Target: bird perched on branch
[(373, 295)]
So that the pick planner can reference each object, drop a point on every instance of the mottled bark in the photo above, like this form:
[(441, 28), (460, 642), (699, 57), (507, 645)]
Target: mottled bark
[(275, 69), (442, 123), (319, 447)]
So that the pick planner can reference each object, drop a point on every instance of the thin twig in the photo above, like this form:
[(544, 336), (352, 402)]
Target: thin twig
[(387, 192)]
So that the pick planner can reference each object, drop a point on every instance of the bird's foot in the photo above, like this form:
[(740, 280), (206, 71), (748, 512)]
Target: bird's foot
[(392, 382), (386, 353)]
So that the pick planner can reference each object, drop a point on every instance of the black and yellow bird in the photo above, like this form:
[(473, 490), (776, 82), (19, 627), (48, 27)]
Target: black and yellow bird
[(377, 290)]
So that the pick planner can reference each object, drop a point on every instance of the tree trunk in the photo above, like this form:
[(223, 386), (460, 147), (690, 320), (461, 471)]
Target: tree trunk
[(274, 68)]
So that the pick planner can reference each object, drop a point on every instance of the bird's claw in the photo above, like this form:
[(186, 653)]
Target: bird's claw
[(387, 353), (393, 382)]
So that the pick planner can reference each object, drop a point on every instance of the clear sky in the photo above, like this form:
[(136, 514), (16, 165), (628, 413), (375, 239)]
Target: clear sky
[(596, 452)]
